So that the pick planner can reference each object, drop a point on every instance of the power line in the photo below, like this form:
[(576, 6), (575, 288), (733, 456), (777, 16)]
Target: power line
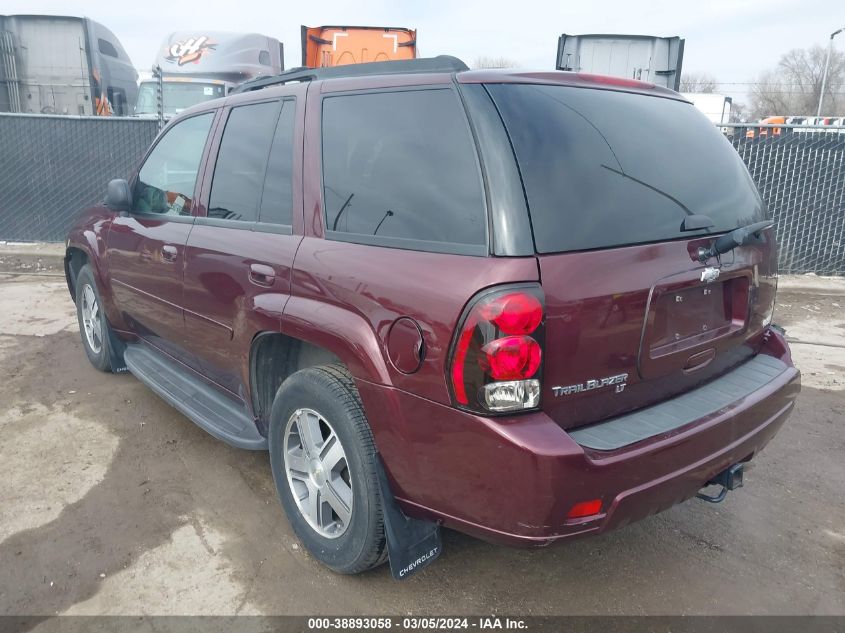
[(755, 83), (799, 92)]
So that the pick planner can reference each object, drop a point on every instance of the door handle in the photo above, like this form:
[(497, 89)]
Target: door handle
[(261, 274), (169, 253)]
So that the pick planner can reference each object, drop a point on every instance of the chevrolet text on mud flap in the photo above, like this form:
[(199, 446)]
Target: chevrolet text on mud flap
[(619, 380), (419, 561)]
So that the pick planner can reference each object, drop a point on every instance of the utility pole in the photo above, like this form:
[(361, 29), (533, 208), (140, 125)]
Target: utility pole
[(826, 64)]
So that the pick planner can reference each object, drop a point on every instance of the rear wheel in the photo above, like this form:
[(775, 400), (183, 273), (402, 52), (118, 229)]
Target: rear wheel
[(93, 326), (324, 466)]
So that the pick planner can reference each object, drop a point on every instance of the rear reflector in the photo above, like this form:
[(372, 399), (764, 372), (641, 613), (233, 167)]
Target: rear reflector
[(584, 509)]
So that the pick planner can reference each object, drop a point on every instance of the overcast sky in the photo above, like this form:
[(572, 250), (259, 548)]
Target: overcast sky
[(731, 39)]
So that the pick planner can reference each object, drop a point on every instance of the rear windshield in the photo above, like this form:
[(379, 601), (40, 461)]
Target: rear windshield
[(603, 168)]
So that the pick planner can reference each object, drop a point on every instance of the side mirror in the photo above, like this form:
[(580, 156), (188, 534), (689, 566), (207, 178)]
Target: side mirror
[(118, 195)]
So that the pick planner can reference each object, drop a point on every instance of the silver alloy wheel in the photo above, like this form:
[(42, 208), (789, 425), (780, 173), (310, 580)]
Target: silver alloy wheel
[(92, 320), (318, 473)]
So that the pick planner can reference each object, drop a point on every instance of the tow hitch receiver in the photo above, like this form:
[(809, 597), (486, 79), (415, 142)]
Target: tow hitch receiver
[(728, 479)]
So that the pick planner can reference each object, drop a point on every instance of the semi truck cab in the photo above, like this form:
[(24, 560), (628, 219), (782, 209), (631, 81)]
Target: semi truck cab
[(198, 66)]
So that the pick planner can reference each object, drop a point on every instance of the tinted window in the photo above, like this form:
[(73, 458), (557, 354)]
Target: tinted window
[(106, 47), (264, 58), (241, 162), (604, 168), (166, 181), (401, 165), (277, 199)]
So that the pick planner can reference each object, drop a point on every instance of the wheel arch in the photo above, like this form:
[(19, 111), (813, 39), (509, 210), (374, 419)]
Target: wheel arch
[(75, 259), (313, 333), (274, 356), (88, 241), (84, 246)]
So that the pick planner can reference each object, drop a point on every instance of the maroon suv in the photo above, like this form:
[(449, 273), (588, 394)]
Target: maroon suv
[(526, 306)]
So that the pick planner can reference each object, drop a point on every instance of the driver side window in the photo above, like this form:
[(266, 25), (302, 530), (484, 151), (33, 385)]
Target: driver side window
[(165, 184)]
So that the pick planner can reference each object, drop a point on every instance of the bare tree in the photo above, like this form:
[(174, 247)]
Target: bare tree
[(793, 86), (739, 112), (698, 82), (494, 62)]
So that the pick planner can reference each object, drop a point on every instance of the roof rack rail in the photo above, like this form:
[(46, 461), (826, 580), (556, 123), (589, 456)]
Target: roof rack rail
[(439, 64)]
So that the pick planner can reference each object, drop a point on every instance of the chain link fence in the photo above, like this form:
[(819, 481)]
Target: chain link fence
[(51, 167), (800, 172)]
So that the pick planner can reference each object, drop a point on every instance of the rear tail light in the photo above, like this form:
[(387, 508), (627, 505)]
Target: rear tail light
[(511, 357), (497, 355)]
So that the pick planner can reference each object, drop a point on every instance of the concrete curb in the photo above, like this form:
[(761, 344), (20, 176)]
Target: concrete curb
[(32, 258)]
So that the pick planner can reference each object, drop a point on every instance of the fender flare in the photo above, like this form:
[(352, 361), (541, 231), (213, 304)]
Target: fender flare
[(84, 240), (344, 333), (91, 242)]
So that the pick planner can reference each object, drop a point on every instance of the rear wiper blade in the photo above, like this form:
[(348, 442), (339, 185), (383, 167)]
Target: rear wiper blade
[(729, 241)]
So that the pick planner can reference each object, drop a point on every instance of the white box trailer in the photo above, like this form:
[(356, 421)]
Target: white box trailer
[(715, 107), (657, 60)]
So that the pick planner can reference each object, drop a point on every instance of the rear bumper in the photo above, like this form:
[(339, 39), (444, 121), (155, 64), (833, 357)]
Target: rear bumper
[(513, 480)]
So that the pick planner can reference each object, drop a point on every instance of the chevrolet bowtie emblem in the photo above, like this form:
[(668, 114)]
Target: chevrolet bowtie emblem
[(709, 274)]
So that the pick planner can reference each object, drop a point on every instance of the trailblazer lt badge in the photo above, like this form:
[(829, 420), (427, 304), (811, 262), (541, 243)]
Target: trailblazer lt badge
[(620, 380)]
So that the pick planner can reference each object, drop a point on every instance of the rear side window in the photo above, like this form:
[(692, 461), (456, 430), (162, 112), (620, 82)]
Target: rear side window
[(165, 183), (603, 168), (400, 169), (277, 199), (242, 161)]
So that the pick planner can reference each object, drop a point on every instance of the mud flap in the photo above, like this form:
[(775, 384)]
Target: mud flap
[(116, 347), (412, 544)]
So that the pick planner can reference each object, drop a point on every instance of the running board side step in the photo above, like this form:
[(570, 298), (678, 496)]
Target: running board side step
[(204, 405)]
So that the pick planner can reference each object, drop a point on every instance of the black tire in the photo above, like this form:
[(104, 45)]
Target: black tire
[(99, 358), (330, 391)]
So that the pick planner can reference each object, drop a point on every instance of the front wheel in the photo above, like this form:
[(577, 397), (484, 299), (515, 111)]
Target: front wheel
[(93, 326), (325, 469)]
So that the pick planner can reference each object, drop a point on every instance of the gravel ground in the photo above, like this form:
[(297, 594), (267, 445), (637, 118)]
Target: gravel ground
[(111, 502)]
